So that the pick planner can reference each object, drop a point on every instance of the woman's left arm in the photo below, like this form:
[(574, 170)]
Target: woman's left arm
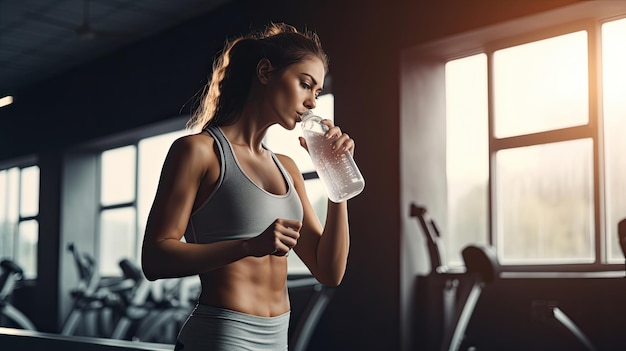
[(324, 250)]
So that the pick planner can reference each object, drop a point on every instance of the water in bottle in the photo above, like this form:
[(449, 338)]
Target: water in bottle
[(337, 170)]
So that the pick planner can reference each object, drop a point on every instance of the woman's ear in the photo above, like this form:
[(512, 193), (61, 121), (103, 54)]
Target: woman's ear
[(264, 70)]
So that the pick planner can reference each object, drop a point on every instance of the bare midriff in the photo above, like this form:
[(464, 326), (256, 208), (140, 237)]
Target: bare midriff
[(252, 285)]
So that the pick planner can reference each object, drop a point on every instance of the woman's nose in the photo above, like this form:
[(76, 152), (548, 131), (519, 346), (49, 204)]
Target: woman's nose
[(310, 103)]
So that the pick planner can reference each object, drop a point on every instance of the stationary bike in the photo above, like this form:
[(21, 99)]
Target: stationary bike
[(10, 316), (458, 301), (482, 268)]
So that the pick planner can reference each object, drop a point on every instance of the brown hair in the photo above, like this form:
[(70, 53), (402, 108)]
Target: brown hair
[(235, 68)]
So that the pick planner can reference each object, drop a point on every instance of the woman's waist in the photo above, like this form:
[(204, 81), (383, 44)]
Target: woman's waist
[(203, 310), (247, 286)]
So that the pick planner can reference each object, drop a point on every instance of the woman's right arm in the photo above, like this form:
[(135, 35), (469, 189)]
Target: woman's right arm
[(190, 161)]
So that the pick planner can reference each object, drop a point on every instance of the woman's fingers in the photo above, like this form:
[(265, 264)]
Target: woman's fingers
[(303, 143), (286, 237), (277, 239), (342, 141)]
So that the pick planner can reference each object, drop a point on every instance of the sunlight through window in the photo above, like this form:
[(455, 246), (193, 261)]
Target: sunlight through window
[(543, 190), (19, 225), (467, 162), (541, 85), (614, 106), (544, 203), (118, 176)]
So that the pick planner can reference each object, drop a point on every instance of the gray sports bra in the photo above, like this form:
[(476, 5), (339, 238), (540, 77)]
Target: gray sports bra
[(238, 208)]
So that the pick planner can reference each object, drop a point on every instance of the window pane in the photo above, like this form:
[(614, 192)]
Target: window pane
[(544, 205), (282, 141), (317, 196), (614, 106), (8, 210), (118, 176), (13, 181), (29, 204), (4, 183), (541, 85), (27, 247), (117, 238), (6, 237), (152, 153), (295, 264), (467, 154)]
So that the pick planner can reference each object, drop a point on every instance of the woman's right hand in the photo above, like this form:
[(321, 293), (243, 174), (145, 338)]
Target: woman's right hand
[(280, 237)]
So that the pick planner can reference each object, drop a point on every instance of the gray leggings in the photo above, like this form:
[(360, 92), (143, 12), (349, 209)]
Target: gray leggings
[(220, 329)]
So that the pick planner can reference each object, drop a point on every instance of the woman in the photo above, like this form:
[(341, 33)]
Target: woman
[(240, 207)]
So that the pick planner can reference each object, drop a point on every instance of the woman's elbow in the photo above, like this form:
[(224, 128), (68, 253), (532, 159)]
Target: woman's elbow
[(150, 268), (332, 284), (331, 280), (149, 272)]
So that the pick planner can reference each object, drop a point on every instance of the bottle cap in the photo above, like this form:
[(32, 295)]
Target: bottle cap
[(308, 113)]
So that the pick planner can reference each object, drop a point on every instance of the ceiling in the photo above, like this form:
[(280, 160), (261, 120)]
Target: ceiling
[(41, 38)]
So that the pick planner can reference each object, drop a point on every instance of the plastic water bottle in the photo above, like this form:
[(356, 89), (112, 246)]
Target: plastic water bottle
[(337, 170)]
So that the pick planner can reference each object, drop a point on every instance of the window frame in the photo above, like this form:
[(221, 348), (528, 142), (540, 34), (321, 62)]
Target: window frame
[(131, 204), (591, 130), (14, 231), (419, 62)]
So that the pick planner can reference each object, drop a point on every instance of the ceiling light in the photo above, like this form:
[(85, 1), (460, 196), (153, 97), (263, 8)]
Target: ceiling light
[(7, 100)]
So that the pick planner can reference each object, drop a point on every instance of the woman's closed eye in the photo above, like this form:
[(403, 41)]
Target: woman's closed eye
[(306, 85)]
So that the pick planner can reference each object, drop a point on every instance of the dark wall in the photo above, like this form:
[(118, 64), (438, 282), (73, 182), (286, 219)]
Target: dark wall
[(156, 80)]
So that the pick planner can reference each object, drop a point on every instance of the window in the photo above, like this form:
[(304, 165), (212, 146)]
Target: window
[(614, 120), (117, 222), (467, 153), (19, 210), (535, 162), (128, 180), (129, 177)]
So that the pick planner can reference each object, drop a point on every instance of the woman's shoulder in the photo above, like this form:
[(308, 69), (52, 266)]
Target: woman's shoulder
[(289, 164), (200, 140), (196, 147), (286, 160)]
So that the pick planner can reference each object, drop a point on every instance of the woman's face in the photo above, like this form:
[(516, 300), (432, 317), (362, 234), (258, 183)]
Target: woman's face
[(293, 90)]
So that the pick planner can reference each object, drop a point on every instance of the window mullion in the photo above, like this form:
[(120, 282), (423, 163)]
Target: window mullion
[(491, 194), (595, 123), (553, 136), (16, 231), (136, 202)]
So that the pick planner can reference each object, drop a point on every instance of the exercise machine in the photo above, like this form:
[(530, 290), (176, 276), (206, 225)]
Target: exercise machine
[(95, 301), (481, 267), (172, 301), (9, 314), (135, 305), (460, 289), (304, 327)]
